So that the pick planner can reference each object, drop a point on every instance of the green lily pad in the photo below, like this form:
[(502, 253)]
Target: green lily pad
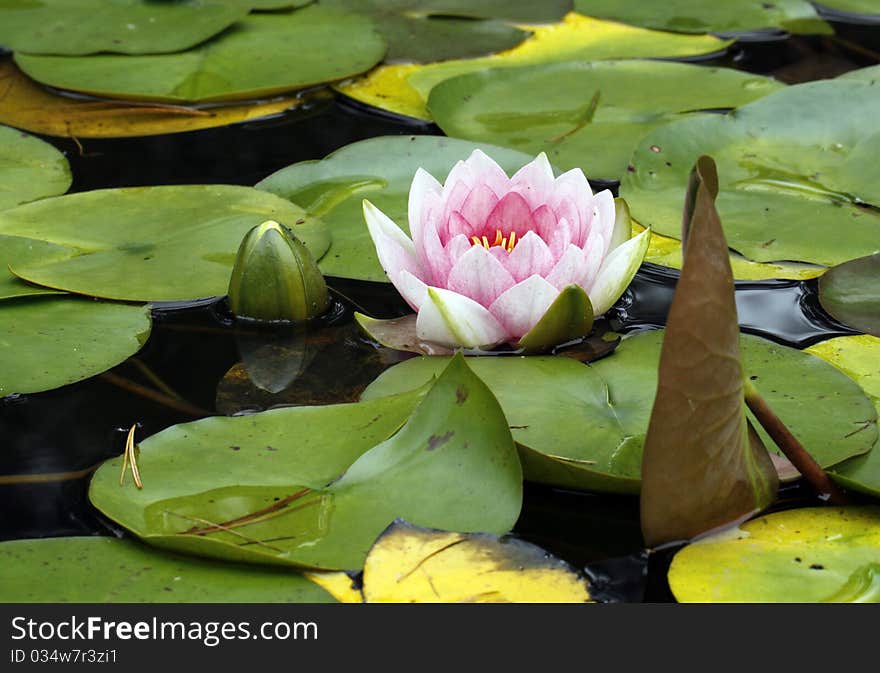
[(852, 6), (108, 570), (587, 115), (267, 5), (851, 293), (871, 74), (150, 243), (272, 499), (48, 342), (827, 554), (697, 16), (404, 88), (583, 426), (795, 169), (437, 30), (380, 169), (859, 358), (77, 27), (30, 169), (262, 55), (17, 249)]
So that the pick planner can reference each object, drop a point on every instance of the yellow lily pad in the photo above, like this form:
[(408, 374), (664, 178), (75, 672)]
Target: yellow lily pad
[(410, 564), (336, 583), (403, 89), (26, 105), (818, 554)]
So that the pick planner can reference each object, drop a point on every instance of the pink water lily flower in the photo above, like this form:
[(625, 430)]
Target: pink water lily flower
[(490, 253)]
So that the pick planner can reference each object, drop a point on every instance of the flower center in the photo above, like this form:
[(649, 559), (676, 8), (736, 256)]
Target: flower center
[(506, 243)]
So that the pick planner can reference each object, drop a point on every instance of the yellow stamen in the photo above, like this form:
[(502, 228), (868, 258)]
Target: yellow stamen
[(500, 240)]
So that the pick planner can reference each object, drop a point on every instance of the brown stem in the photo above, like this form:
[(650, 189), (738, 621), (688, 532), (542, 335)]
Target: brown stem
[(792, 448), (154, 378), (154, 395)]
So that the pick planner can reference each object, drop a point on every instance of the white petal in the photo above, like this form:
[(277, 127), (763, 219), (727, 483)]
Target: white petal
[(423, 182), (575, 181), (380, 225), (395, 250), (593, 257), (411, 289), (622, 231), (617, 272), (453, 320), (522, 306), (604, 216)]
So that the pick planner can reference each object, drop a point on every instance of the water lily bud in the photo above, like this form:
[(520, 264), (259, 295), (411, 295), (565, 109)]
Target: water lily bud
[(275, 277)]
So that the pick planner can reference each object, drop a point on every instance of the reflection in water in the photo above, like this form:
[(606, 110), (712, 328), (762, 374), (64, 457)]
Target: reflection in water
[(787, 312)]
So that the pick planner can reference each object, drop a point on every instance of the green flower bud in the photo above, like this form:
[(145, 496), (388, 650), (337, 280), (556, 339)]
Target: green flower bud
[(275, 277)]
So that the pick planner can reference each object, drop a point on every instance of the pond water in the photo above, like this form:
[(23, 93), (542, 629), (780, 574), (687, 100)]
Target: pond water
[(52, 441)]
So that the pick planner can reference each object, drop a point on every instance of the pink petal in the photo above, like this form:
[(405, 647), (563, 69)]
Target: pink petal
[(530, 256), (454, 320), (544, 220), (422, 184), (454, 193), (573, 187), (479, 275), (534, 181), (457, 246), (487, 172), (394, 249), (512, 213), (477, 207), (457, 226), (523, 305), (432, 255), (433, 213), (431, 227), (559, 238), (568, 269), (567, 210)]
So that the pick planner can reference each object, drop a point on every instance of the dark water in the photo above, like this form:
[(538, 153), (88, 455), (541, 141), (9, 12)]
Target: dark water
[(51, 441)]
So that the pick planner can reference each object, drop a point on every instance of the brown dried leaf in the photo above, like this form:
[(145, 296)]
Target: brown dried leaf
[(699, 469)]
